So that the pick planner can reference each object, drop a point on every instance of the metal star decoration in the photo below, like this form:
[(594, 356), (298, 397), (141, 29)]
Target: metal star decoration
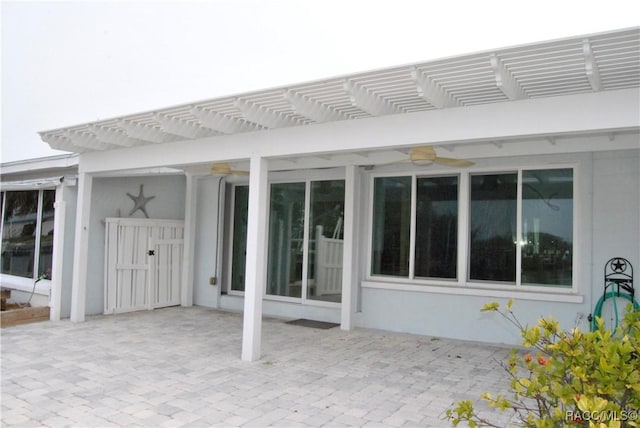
[(139, 202)]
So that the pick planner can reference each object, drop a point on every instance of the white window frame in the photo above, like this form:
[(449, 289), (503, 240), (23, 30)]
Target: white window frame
[(462, 284), (22, 283), (302, 176)]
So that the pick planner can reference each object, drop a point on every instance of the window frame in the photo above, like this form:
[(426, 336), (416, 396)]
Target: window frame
[(462, 283), (23, 283)]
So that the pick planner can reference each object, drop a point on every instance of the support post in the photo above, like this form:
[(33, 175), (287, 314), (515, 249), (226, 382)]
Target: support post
[(350, 249), (81, 249), (59, 213), (191, 194), (256, 260)]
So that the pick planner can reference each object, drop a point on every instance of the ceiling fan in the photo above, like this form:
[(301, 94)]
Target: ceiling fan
[(224, 169), (426, 155)]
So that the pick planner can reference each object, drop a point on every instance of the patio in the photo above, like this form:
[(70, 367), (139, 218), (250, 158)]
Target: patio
[(181, 367)]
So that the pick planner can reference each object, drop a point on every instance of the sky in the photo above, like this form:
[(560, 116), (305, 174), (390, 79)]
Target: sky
[(69, 63)]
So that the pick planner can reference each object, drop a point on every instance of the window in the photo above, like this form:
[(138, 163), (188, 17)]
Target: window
[(391, 225), (547, 227), (436, 227), (520, 227), (436, 213), (492, 240), (27, 233)]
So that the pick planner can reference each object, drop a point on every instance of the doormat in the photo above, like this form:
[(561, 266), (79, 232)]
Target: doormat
[(313, 324)]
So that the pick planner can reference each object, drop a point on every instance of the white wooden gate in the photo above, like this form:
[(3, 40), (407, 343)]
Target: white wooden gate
[(143, 266)]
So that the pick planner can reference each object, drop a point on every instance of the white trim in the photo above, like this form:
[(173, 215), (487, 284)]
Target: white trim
[(464, 196), (256, 260), (305, 242), (412, 226), (519, 228), (59, 213), (482, 292), (38, 235), (33, 184), (190, 226), (44, 163), (81, 249), (350, 265), (20, 283)]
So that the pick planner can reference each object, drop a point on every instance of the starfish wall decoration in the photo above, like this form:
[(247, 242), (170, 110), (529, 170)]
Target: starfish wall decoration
[(139, 202)]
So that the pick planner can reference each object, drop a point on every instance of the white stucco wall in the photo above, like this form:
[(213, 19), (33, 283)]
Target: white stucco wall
[(207, 244), (607, 203), (616, 213), (608, 207), (109, 199)]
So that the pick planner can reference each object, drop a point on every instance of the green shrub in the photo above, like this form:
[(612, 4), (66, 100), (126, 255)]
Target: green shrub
[(567, 378)]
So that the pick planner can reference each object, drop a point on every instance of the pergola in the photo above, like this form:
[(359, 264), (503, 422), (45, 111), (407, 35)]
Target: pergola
[(542, 98)]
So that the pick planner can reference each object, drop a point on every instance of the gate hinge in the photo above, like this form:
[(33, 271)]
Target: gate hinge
[(151, 253)]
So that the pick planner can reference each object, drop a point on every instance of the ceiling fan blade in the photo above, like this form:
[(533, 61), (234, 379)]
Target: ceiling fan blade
[(239, 172), (422, 154), (453, 162), (224, 169)]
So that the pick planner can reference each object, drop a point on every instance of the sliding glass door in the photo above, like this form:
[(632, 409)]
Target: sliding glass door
[(305, 242)]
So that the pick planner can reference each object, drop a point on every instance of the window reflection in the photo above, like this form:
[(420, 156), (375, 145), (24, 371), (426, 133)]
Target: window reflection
[(493, 227), (19, 233), (239, 250), (436, 227), (547, 227), (326, 241), (391, 226), (286, 239)]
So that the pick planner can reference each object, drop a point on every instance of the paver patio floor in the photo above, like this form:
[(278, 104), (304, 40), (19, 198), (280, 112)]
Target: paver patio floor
[(181, 367)]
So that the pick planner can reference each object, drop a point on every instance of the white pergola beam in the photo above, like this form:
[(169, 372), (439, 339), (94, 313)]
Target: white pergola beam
[(220, 122), (114, 136), (181, 127), (61, 142), (312, 109), (367, 101), (567, 115), (505, 80), (262, 116), (431, 91), (88, 140), (144, 132), (591, 68)]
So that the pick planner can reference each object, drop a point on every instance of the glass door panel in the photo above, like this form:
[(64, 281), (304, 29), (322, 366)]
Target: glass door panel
[(239, 250), (324, 273), (286, 239)]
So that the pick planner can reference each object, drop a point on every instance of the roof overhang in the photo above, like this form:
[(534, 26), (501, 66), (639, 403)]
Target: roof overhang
[(583, 64)]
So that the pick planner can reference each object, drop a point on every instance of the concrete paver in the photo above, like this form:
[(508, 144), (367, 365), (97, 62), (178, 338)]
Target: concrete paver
[(181, 367)]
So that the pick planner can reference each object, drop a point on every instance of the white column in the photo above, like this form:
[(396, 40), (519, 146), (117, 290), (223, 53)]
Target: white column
[(81, 249), (191, 194), (59, 214), (256, 264), (350, 249)]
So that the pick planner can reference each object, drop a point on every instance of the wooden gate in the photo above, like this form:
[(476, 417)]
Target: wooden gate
[(143, 266)]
